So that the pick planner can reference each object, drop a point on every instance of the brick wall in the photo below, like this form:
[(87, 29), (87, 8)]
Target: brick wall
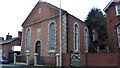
[(104, 59), (46, 60), (66, 61), (42, 36), (71, 22), (8, 47), (112, 20)]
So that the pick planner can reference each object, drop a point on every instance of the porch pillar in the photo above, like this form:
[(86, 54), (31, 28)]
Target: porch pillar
[(35, 59), (27, 58), (15, 58), (57, 59)]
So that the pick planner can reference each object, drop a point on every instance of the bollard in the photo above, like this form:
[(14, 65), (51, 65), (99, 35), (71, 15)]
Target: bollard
[(57, 59), (27, 58), (35, 59), (15, 58)]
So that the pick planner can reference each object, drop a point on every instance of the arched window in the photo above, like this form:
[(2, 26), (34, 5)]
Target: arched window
[(28, 35), (52, 36), (93, 34), (118, 33), (86, 39), (76, 38)]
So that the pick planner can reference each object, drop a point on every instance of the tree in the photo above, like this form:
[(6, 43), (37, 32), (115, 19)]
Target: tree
[(97, 20)]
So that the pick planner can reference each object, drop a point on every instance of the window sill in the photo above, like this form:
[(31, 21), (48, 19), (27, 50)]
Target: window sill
[(76, 51), (117, 14), (51, 51), (27, 51), (86, 51)]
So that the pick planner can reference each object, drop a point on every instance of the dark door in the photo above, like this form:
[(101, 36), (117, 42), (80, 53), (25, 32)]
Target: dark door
[(11, 56), (38, 51)]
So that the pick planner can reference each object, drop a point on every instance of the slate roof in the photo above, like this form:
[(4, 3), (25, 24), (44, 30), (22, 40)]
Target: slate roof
[(8, 41), (110, 4)]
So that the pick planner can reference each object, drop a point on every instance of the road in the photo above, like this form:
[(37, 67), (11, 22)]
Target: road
[(16, 66)]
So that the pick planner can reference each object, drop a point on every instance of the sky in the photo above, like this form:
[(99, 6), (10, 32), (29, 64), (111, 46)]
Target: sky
[(14, 12)]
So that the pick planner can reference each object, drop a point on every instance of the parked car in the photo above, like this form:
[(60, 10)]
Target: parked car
[(4, 60)]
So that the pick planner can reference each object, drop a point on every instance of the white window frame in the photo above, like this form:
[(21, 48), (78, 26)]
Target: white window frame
[(118, 34), (117, 13), (78, 46), (28, 50), (50, 51)]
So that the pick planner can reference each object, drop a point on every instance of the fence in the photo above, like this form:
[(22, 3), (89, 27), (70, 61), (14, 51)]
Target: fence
[(103, 59), (75, 59), (46, 60), (21, 59), (91, 59), (71, 59), (24, 60)]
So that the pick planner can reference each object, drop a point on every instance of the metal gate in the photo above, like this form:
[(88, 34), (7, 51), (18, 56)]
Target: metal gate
[(75, 59)]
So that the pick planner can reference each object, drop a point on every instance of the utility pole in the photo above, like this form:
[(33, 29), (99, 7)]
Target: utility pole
[(60, 36)]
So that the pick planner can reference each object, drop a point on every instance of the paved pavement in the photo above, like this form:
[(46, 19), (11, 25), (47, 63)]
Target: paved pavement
[(19, 66), (13, 66), (9, 65)]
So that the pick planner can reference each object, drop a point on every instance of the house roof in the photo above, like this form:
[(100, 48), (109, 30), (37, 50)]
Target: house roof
[(8, 41), (110, 4), (51, 6)]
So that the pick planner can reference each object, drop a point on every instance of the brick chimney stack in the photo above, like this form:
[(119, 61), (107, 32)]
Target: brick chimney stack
[(19, 34), (8, 37), (1, 38)]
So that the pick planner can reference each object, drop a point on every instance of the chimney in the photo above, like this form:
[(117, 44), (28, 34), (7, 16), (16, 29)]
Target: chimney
[(19, 34), (8, 37), (1, 38)]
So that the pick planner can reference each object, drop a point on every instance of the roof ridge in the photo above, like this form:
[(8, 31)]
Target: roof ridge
[(110, 4), (53, 7), (62, 10), (8, 41)]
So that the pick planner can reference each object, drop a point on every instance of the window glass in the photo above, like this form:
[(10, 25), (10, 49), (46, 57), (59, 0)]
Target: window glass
[(28, 40), (86, 40), (52, 36), (118, 33), (117, 9), (76, 33)]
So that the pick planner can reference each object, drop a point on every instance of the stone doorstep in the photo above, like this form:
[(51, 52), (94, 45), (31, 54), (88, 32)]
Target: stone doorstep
[(38, 65), (41, 65), (20, 63)]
